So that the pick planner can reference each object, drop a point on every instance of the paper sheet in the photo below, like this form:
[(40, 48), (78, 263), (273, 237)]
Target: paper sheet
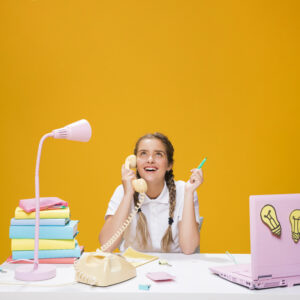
[(137, 258)]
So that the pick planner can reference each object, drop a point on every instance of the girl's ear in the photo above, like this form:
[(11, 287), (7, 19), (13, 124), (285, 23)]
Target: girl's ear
[(170, 167)]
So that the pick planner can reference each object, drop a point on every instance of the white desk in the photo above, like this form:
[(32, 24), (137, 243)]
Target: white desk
[(193, 281)]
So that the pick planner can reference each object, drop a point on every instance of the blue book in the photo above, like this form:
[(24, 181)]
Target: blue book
[(29, 254), (57, 222), (66, 232)]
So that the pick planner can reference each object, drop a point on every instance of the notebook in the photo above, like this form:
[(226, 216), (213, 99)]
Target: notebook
[(275, 245), (61, 213), (66, 232), (137, 258), (43, 222), (47, 256), (47, 244)]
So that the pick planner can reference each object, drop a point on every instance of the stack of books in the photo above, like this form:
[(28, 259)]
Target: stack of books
[(57, 243)]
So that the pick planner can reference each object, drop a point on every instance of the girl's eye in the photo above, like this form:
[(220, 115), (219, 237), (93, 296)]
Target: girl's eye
[(159, 154), (143, 153)]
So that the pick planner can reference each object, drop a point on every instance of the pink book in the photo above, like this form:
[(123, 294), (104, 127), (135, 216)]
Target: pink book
[(28, 205), (59, 260)]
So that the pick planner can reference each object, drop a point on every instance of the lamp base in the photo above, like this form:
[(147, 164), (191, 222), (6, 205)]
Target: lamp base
[(28, 273)]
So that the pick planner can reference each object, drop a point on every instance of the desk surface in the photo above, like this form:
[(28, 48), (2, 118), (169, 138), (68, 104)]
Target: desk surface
[(193, 280)]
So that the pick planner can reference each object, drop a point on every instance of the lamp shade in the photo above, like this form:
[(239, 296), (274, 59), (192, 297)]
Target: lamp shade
[(80, 131)]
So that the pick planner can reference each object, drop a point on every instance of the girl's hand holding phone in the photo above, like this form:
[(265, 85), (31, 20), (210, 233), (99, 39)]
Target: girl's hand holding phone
[(127, 176)]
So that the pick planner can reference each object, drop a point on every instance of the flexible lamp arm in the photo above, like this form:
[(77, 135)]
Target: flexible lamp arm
[(80, 131), (37, 200)]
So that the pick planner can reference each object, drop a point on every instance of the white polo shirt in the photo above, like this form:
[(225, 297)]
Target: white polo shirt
[(157, 216)]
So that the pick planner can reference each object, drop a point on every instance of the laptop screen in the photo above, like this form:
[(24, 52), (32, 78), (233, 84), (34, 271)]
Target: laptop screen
[(275, 235)]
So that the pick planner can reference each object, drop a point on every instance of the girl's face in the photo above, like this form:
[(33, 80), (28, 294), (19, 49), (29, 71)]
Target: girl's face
[(152, 160)]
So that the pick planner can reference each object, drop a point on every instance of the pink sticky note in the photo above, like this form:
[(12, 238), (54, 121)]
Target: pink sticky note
[(160, 276)]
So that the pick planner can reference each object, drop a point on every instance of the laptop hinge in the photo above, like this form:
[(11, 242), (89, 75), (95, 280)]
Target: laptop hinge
[(264, 276)]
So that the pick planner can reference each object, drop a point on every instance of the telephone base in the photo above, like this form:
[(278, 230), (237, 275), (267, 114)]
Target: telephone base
[(103, 269)]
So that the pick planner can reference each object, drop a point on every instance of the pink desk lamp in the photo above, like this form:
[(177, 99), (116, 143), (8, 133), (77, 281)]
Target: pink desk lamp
[(78, 131)]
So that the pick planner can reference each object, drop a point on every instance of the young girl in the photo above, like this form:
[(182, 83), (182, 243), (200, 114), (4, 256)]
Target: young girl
[(169, 218)]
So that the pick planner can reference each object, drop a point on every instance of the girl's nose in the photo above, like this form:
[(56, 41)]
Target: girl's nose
[(150, 159)]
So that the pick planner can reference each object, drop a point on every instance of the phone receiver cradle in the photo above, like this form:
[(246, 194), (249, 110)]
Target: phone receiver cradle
[(103, 269)]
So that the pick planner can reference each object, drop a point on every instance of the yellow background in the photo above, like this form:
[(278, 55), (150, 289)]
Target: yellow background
[(220, 78)]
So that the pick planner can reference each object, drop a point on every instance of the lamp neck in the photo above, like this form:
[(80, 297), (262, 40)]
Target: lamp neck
[(37, 166), (37, 201)]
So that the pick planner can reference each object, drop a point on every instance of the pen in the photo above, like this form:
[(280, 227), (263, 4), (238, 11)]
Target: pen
[(202, 163)]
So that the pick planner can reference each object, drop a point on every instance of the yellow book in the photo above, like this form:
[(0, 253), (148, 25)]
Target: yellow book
[(61, 213), (137, 258), (28, 244)]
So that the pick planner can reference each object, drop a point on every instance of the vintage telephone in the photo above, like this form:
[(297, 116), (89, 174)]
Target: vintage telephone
[(102, 268)]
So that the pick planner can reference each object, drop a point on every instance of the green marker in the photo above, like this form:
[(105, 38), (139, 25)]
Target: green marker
[(202, 163)]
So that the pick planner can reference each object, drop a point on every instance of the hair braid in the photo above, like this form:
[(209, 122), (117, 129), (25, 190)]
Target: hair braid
[(168, 238), (142, 232)]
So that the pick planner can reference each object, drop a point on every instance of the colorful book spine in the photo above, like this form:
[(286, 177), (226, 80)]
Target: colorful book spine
[(43, 254), (58, 260), (28, 244), (66, 232), (61, 213), (31, 222)]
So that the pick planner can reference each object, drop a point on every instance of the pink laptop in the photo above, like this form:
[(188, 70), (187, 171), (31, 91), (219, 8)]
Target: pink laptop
[(275, 244)]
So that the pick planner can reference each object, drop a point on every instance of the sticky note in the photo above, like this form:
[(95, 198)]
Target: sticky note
[(144, 287), (160, 276)]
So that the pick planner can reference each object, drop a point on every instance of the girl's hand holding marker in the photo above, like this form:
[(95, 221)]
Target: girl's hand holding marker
[(196, 178)]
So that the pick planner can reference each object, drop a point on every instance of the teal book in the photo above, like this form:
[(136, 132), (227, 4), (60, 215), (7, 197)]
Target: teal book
[(29, 254), (57, 222), (66, 232)]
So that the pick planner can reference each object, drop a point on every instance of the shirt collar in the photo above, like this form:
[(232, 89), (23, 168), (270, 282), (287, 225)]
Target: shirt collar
[(162, 198)]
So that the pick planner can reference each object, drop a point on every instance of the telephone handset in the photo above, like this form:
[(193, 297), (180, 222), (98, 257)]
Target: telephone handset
[(102, 268), (140, 184)]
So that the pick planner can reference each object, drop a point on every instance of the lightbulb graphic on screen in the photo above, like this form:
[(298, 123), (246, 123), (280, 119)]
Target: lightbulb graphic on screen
[(269, 217), (295, 224)]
